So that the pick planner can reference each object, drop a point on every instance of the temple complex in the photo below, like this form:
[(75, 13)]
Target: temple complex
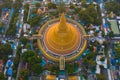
[(62, 40)]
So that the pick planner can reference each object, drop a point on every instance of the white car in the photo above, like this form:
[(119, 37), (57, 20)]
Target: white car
[(18, 35)]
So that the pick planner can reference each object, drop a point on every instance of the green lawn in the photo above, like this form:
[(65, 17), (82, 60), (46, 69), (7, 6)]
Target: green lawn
[(114, 27)]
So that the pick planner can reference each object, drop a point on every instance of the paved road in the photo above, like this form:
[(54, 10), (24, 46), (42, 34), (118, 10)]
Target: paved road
[(7, 26), (110, 46), (20, 62)]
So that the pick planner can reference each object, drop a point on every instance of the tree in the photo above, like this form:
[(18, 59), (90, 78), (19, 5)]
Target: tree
[(112, 6), (2, 76), (8, 49), (72, 6), (51, 5), (1, 6), (7, 4), (35, 20), (98, 21), (1, 24), (92, 10), (28, 46), (89, 61), (84, 16), (70, 68), (5, 50), (38, 5), (16, 61), (88, 14), (26, 5), (54, 68), (34, 11), (118, 63), (16, 6), (34, 59), (76, 65), (117, 54), (24, 74), (111, 34), (117, 50), (91, 55), (26, 55), (24, 40), (37, 68), (83, 3), (2, 48), (26, 9)]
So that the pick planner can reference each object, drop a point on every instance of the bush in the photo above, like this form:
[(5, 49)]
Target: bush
[(24, 40)]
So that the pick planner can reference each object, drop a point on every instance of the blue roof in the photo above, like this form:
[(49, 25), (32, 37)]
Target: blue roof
[(43, 63), (9, 63), (113, 62), (105, 25), (9, 72)]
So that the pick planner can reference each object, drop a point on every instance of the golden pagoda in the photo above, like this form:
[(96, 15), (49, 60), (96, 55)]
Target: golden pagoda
[(62, 40), (62, 37)]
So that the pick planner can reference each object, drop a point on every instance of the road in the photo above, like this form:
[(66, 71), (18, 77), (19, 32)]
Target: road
[(110, 76), (10, 17), (20, 21)]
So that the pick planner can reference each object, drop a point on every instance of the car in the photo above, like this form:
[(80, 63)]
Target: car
[(22, 11), (18, 35)]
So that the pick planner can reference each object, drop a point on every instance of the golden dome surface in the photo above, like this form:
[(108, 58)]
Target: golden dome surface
[(62, 37)]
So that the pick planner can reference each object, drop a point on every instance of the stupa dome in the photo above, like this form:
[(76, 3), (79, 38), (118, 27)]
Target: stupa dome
[(62, 37)]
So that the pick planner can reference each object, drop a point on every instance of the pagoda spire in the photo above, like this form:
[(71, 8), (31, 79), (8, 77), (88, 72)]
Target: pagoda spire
[(62, 28)]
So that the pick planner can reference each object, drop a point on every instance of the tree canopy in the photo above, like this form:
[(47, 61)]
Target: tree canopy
[(89, 14), (2, 76), (5, 50), (70, 68), (89, 61), (12, 26), (54, 68), (51, 5), (38, 5), (27, 55), (37, 68), (1, 24), (24, 40), (117, 54), (33, 60), (113, 6), (26, 9), (24, 74)]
